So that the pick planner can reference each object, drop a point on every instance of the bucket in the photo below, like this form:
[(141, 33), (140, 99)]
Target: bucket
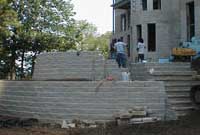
[(125, 76)]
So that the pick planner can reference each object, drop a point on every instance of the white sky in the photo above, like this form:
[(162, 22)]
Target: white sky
[(97, 12)]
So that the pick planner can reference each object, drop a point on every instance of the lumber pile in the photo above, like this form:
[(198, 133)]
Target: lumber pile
[(183, 52)]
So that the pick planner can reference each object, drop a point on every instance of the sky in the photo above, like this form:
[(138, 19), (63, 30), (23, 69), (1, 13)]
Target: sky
[(97, 12)]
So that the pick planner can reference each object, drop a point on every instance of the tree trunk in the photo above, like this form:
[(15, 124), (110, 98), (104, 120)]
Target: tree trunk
[(22, 65), (33, 64), (12, 65)]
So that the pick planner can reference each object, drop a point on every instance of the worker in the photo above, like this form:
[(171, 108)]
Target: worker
[(120, 48), (140, 49)]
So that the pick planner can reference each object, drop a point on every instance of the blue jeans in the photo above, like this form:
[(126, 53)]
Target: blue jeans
[(121, 60)]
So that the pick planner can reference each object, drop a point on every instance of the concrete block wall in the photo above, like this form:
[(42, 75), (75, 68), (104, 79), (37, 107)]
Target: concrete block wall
[(94, 101), (165, 23), (69, 65)]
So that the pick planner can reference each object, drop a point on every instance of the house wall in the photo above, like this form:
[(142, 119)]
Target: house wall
[(167, 31), (171, 26), (167, 27)]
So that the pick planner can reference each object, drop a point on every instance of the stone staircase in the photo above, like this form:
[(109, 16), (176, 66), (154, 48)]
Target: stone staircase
[(68, 65), (113, 70), (67, 86), (80, 100), (89, 66), (178, 80)]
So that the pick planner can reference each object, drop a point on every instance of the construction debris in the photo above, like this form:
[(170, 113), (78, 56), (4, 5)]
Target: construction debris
[(78, 124), (144, 120), (134, 115)]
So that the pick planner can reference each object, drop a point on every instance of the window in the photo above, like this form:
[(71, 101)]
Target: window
[(139, 31), (123, 22), (144, 4), (128, 45), (151, 37), (190, 20), (121, 39), (156, 4), (129, 18)]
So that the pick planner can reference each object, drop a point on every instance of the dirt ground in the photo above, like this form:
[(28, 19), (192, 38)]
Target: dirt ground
[(189, 125)]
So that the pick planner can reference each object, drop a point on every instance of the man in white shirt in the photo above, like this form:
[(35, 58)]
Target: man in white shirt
[(120, 48), (140, 49)]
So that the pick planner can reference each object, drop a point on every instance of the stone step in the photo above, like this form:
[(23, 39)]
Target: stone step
[(64, 65), (170, 78), (64, 70), (178, 89), (168, 64), (181, 83), (161, 65), (184, 108), (163, 68), (46, 63), (112, 84), (75, 59), (115, 101), (96, 93), (70, 54), (174, 73), (168, 68), (140, 78), (179, 101), (184, 112), (59, 117), (48, 116), (178, 95), (78, 106)]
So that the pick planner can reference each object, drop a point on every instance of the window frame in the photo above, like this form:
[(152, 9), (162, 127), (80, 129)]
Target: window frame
[(157, 4)]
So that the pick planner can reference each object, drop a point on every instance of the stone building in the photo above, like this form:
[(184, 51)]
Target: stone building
[(163, 24)]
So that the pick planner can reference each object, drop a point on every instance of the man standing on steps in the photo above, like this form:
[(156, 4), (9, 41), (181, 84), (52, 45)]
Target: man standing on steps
[(121, 54), (140, 49)]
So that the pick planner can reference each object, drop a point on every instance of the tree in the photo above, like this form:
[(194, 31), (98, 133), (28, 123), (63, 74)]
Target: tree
[(45, 25), (90, 40), (8, 20), (28, 27)]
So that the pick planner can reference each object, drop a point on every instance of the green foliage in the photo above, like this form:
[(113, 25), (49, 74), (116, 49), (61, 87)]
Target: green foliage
[(8, 18), (28, 27), (89, 39), (42, 26)]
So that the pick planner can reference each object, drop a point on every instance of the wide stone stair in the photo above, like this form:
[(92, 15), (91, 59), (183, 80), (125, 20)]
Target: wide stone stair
[(112, 69), (178, 81), (75, 86), (80, 100), (89, 66)]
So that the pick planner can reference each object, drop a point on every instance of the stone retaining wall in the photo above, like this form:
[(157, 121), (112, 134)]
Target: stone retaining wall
[(93, 101)]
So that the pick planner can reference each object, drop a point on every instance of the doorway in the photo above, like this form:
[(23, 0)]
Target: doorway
[(152, 37), (139, 31), (190, 11)]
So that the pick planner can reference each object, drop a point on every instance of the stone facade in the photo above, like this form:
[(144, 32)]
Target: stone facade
[(169, 18)]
